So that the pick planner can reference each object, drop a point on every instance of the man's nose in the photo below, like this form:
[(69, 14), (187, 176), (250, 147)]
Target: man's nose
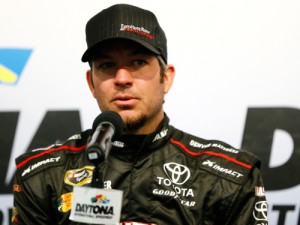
[(123, 76)]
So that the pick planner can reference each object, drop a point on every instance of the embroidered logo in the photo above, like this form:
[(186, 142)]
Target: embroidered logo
[(138, 30), (79, 177)]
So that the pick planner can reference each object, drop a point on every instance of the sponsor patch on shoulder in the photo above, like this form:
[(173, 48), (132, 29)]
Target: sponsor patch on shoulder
[(218, 168), (79, 177), (47, 161)]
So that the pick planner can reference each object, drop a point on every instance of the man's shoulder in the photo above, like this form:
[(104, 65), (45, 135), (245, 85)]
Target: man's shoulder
[(37, 160), (217, 157)]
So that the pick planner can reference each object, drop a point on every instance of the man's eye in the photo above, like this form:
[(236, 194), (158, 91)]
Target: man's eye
[(106, 65), (139, 62)]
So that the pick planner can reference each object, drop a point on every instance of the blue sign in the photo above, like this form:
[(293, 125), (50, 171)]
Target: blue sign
[(12, 63)]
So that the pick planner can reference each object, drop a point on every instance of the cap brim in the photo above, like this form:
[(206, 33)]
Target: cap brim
[(89, 54)]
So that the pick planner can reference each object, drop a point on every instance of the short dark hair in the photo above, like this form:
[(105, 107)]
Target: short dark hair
[(163, 68)]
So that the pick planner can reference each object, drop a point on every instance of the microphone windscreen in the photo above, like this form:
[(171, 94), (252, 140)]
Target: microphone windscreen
[(111, 117)]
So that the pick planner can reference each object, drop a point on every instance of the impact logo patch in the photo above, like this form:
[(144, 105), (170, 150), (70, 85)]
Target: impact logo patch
[(12, 63)]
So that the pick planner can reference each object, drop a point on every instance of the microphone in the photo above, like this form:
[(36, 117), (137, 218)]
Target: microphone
[(107, 126)]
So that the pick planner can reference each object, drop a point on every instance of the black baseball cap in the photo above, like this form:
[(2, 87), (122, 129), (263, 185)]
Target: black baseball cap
[(127, 22)]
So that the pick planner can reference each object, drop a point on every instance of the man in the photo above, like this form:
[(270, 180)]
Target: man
[(168, 177)]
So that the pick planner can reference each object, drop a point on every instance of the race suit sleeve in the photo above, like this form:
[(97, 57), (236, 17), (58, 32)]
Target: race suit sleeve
[(32, 202), (250, 207)]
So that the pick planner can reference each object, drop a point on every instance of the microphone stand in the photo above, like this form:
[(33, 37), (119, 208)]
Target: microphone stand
[(97, 178), (97, 154)]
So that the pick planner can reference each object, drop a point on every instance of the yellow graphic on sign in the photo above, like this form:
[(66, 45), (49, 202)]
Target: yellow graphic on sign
[(7, 76)]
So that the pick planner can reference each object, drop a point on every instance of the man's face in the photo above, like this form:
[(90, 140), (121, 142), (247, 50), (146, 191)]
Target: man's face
[(125, 78)]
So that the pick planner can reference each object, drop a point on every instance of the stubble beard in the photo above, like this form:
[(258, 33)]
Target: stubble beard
[(134, 124)]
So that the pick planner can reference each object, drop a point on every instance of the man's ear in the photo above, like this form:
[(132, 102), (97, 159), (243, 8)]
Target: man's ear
[(89, 79), (169, 78)]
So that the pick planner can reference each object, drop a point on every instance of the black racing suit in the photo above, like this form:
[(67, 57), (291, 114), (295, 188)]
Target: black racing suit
[(168, 177)]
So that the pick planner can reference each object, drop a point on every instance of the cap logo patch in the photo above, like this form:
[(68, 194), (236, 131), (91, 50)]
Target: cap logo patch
[(138, 30)]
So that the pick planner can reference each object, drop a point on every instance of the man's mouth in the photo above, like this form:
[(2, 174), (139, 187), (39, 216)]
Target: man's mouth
[(125, 100)]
